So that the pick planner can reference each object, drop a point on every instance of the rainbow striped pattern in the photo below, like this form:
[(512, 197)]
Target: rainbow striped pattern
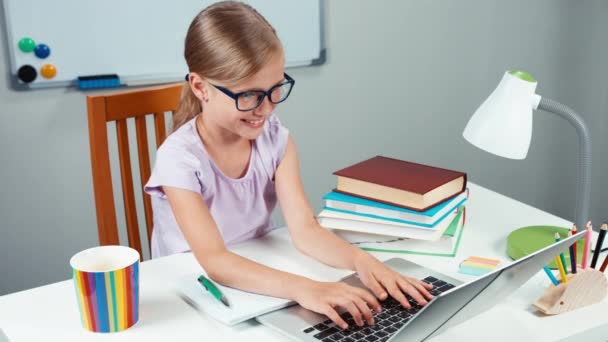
[(108, 301)]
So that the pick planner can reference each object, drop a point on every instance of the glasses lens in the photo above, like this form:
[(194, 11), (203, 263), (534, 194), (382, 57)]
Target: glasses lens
[(280, 93), (249, 100)]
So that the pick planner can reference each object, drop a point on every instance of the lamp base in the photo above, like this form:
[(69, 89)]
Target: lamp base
[(527, 240)]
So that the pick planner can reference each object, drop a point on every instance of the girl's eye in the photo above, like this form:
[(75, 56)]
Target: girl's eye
[(249, 95)]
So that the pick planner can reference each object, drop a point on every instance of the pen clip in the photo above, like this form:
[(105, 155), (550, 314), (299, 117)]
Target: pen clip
[(202, 281)]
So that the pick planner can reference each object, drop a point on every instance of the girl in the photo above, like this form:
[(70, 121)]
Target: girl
[(218, 176)]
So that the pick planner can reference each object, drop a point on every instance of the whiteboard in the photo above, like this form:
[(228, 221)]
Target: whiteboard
[(141, 41)]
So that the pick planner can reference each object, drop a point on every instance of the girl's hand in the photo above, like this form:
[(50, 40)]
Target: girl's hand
[(326, 297), (380, 279)]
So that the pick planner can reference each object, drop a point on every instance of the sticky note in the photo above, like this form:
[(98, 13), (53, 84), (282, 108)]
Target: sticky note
[(477, 266)]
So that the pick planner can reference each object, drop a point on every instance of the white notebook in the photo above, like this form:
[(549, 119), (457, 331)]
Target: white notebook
[(243, 305), (275, 250), (363, 224)]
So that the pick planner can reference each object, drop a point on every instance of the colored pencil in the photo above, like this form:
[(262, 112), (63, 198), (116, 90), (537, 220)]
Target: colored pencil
[(551, 276), (561, 255), (598, 245), (573, 251), (587, 245), (562, 273), (604, 264)]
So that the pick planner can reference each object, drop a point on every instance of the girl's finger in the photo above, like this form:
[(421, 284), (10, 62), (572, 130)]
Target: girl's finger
[(370, 281), (396, 293), (420, 287), (427, 285), (411, 290), (332, 314), (364, 309), (352, 309), (371, 301)]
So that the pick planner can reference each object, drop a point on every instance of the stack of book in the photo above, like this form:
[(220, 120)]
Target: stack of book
[(396, 199)]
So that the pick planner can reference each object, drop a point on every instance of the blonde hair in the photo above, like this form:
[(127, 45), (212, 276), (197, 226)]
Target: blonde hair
[(228, 42)]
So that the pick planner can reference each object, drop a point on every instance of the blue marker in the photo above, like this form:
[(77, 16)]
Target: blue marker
[(98, 81)]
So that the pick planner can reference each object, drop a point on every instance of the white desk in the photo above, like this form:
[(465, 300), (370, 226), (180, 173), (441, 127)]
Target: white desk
[(51, 313)]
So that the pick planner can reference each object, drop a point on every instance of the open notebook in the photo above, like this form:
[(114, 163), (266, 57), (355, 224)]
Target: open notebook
[(275, 250), (243, 305)]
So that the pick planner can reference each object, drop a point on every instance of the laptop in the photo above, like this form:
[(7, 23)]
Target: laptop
[(454, 303)]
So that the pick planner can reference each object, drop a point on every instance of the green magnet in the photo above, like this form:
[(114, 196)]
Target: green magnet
[(27, 44)]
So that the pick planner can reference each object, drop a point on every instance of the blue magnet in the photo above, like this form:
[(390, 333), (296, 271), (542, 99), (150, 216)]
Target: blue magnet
[(42, 51)]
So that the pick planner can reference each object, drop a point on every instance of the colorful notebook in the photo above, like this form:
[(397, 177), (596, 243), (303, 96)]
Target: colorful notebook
[(359, 206), (342, 221), (447, 246)]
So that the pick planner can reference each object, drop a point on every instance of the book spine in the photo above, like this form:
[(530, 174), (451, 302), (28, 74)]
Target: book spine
[(375, 228), (388, 220), (379, 212)]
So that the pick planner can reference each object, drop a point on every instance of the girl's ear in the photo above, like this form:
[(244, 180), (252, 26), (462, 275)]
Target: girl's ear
[(199, 86)]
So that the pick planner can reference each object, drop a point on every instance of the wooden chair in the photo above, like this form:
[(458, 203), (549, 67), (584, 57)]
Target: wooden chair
[(120, 107)]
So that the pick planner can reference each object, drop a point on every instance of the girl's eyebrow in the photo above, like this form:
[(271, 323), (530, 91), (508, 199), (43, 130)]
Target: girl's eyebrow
[(258, 88)]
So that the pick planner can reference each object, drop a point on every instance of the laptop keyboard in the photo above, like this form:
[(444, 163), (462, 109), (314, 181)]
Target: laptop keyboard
[(392, 317)]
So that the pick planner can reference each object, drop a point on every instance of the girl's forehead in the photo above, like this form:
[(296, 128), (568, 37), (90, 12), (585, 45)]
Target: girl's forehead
[(268, 76)]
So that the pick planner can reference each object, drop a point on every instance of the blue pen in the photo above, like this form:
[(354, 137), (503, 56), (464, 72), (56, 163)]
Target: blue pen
[(551, 276)]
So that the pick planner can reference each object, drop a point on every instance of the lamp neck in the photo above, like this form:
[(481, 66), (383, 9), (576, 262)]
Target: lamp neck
[(584, 163)]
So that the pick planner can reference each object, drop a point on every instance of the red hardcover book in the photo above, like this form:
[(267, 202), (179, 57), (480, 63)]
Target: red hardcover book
[(400, 183)]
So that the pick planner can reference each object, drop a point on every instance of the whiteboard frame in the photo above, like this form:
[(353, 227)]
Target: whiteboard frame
[(130, 81)]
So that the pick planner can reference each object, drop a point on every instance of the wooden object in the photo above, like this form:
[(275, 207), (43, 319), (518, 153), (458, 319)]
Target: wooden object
[(120, 107), (583, 288)]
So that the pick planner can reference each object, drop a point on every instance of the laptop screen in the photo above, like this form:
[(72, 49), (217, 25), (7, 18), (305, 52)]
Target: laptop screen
[(470, 299)]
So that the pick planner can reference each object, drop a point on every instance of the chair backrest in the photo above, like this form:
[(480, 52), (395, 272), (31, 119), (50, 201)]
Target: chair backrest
[(120, 107)]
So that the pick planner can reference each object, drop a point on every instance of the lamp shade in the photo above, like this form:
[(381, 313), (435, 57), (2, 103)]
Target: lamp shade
[(502, 125)]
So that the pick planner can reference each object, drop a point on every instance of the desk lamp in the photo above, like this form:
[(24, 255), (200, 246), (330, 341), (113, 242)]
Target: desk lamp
[(502, 125)]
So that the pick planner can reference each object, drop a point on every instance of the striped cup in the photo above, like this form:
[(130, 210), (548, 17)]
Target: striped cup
[(106, 279)]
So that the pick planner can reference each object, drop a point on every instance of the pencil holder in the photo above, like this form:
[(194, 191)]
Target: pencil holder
[(584, 288)]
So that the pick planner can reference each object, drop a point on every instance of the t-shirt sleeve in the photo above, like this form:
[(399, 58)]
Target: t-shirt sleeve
[(176, 168), (277, 136)]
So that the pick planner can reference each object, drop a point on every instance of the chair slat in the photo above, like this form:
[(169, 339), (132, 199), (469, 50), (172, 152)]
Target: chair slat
[(159, 125), (136, 103), (102, 178), (144, 169), (118, 107), (127, 185)]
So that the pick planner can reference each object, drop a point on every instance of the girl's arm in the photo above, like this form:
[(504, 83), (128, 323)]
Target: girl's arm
[(312, 239), (230, 269), (207, 245)]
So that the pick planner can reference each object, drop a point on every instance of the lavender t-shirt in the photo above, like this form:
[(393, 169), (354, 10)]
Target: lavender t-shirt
[(240, 207)]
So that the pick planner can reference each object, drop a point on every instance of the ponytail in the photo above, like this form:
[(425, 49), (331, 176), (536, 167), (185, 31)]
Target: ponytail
[(189, 107)]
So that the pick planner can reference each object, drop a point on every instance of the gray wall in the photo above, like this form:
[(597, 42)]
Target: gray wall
[(401, 79)]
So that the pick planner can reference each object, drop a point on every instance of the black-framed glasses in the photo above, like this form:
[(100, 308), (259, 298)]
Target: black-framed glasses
[(252, 99)]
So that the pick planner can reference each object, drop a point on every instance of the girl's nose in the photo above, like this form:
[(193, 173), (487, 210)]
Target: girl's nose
[(265, 108)]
